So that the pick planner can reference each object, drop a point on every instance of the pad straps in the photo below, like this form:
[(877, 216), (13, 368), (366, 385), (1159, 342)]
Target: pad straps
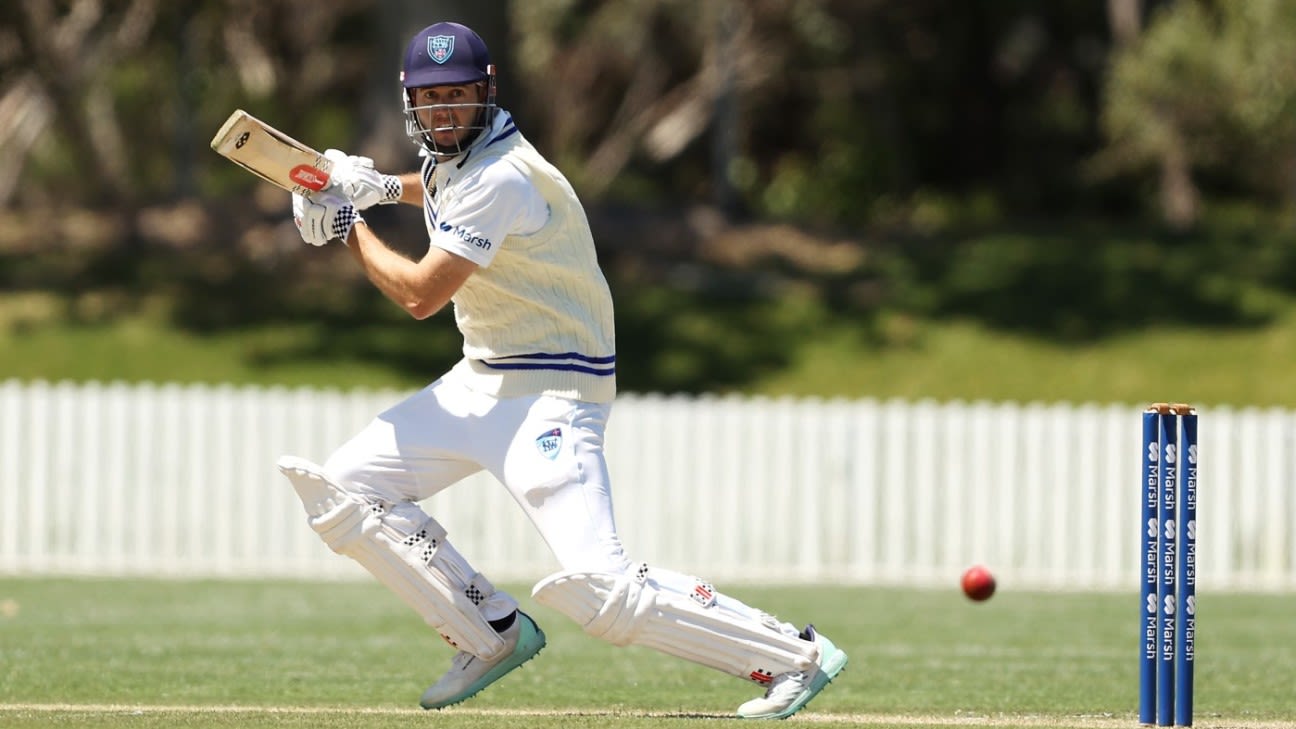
[(634, 610), (417, 564)]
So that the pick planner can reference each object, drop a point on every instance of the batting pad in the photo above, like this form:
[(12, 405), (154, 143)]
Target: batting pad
[(413, 560), (631, 609)]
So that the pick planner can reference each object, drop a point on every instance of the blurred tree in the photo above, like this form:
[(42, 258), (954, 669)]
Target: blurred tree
[(920, 115), (1211, 88), (1126, 20), (626, 76), (819, 110), (67, 50), (102, 102)]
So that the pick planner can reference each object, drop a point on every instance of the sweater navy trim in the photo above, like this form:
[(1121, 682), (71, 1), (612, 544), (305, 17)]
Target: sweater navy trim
[(562, 355), (555, 367), (561, 362)]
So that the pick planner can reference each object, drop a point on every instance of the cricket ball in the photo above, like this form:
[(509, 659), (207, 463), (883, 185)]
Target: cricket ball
[(978, 583)]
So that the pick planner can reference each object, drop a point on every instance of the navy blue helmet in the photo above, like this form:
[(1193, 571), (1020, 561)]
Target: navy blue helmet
[(447, 54)]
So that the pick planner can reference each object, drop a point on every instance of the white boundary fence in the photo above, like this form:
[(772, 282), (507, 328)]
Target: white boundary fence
[(180, 481)]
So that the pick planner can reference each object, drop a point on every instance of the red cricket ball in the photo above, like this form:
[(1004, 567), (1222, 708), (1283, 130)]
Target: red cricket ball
[(978, 583)]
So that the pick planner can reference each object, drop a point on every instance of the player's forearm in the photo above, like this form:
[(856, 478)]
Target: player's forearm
[(392, 273), (421, 288)]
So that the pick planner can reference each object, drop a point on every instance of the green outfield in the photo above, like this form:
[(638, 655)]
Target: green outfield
[(119, 653)]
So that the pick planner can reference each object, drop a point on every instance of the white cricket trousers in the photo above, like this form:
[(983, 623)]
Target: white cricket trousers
[(547, 451)]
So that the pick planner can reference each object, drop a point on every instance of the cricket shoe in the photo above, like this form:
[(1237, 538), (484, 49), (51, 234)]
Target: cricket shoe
[(469, 674), (790, 691)]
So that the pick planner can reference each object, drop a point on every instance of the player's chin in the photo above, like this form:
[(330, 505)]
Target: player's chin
[(446, 139)]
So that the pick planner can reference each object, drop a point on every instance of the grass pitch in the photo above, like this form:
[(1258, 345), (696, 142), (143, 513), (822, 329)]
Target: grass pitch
[(125, 653)]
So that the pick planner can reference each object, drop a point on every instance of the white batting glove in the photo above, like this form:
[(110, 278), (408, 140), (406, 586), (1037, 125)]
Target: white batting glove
[(356, 179), (324, 217)]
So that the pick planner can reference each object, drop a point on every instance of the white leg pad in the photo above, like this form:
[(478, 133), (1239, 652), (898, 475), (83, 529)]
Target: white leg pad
[(412, 560), (631, 610)]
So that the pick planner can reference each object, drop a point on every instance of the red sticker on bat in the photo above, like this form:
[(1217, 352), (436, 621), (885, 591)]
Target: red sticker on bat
[(311, 178)]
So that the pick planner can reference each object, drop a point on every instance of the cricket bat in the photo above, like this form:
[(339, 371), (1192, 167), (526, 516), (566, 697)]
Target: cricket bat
[(271, 155)]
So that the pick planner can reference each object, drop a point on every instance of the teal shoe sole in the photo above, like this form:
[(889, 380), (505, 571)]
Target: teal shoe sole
[(529, 645), (833, 664)]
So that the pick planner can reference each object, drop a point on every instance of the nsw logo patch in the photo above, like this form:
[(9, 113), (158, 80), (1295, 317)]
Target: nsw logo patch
[(440, 48), (549, 443)]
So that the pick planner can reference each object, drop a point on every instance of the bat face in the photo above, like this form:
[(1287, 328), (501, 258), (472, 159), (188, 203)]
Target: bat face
[(271, 155)]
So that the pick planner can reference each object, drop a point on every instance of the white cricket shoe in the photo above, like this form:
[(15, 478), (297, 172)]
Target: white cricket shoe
[(790, 691), (469, 674)]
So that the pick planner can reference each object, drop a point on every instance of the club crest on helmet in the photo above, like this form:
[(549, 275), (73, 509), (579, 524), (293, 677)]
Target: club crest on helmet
[(440, 47)]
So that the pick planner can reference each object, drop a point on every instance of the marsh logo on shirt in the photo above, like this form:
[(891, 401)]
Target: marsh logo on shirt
[(549, 443), (464, 235)]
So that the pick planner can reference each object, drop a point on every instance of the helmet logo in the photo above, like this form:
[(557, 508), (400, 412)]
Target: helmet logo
[(441, 47)]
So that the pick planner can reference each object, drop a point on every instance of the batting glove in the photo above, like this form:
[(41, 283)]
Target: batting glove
[(356, 179), (324, 217)]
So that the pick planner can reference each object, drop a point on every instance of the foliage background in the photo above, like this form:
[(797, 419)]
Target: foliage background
[(809, 196)]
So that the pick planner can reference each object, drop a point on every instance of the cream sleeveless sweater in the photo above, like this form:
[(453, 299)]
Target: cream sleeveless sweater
[(538, 319)]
